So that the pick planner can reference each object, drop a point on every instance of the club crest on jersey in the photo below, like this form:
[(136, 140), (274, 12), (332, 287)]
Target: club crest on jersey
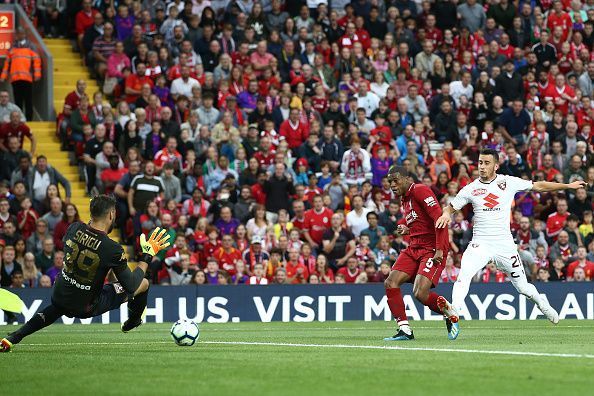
[(502, 185), (478, 191)]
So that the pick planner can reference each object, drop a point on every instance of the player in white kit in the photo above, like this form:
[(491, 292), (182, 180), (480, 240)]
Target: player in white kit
[(491, 196)]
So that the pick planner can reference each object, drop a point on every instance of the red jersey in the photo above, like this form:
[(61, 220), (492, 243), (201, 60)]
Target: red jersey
[(20, 131), (163, 156), (421, 211), (259, 194), (292, 271), (210, 248), (310, 193), (228, 259), (588, 268), (563, 20), (72, 101), (319, 104), (435, 35), (136, 82), (317, 223), (554, 94), (299, 224), (239, 59), (265, 159), (555, 224), (349, 277), (113, 176), (294, 134), (507, 51), (83, 21)]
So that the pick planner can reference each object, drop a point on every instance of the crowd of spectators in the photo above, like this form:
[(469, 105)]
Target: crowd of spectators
[(259, 133)]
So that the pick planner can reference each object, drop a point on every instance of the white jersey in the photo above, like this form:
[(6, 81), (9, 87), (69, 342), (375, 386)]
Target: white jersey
[(492, 203)]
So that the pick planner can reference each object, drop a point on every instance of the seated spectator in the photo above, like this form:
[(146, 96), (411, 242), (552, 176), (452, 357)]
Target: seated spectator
[(9, 266), (17, 127), (55, 215), (35, 241), (45, 257), (70, 215), (41, 176), (56, 268), (31, 275)]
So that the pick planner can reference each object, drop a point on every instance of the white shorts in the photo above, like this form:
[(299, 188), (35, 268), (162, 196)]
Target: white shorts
[(504, 254)]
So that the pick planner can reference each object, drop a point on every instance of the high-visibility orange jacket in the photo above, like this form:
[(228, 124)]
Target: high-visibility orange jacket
[(21, 64)]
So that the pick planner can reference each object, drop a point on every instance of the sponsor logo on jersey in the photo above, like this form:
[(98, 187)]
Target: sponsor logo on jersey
[(491, 201), (478, 191), (411, 216), (430, 201), (502, 185)]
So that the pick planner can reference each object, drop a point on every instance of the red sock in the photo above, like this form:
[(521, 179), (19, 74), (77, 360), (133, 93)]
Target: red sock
[(396, 304), (432, 302)]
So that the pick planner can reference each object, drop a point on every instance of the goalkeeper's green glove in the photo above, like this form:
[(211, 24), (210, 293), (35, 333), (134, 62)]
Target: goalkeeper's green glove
[(158, 241)]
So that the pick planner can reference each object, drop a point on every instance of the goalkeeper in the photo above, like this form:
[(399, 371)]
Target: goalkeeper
[(80, 290)]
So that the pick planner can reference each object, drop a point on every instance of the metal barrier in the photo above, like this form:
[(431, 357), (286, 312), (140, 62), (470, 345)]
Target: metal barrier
[(43, 90)]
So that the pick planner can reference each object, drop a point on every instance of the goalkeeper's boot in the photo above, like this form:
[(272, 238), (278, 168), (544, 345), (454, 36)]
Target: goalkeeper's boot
[(451, 317), (401, 336), (133, 323), (5, 345)]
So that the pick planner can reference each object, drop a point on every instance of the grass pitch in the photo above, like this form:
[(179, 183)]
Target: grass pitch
[(348, 358)]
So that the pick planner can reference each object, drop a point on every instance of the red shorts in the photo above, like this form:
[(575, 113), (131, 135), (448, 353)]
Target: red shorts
[(419, 261)]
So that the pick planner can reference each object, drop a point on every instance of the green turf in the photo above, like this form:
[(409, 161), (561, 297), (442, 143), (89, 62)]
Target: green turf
[(100, 360)]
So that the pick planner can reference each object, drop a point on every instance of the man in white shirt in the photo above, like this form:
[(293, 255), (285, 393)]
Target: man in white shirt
[(184, 84), (356, 219), (367, 100), (462, 87), (492, 196)]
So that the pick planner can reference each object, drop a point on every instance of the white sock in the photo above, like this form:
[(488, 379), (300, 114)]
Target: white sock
[(404, 326)]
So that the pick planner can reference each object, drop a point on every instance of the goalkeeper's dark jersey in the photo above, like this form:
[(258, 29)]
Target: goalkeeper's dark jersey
[(89, 254)]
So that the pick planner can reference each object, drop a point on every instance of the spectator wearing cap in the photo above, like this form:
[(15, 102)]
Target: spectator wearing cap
[(255, 254)]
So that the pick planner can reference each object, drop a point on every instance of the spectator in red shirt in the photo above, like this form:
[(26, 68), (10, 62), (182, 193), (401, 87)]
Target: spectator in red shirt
[(558, 17), (583, 263), (556, 220), (19, 129), (169, 154), (227, 256), (296, 272), (257, 189), (84, 19), (294, 131), (561, 94), (317, 221), (134, 83), (112, 175), (350, 271)]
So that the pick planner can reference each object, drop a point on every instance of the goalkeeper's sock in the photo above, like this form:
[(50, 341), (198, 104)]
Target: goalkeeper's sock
[(40, 320), (137, 305), (396, 304), (432, 303)]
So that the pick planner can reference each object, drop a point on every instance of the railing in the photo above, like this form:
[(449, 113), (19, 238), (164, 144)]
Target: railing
[(43, 92)]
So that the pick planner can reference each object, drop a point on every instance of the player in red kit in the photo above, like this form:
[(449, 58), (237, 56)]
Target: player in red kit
[(423, 261)]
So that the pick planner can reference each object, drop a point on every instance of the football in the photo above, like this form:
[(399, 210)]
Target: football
[(185, 332)]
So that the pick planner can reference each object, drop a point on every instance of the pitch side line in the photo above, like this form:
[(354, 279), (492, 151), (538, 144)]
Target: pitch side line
[(391, 347), (335, 346)]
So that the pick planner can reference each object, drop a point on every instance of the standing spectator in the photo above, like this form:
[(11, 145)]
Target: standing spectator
[(355, 163), (22, 67), (278, 189), (317, 221), (45, 258), (356, 219), (69, 217), (143, 189)]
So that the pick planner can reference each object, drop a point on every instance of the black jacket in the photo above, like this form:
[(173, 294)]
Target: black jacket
[(278, 192), (509, 88), (445, 128)]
